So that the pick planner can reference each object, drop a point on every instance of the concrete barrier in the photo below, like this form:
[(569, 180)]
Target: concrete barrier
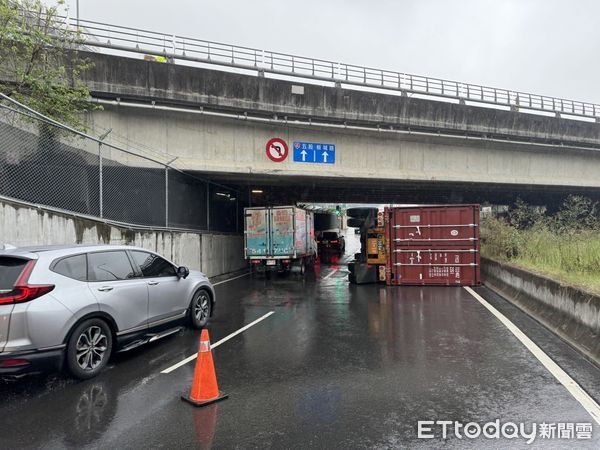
[(213, 254), (571, 313)]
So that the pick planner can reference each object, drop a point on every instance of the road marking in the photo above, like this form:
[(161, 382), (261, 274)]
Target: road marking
[(216, 344), (576, 391), (231, 279), (330, 274), (241, 330)]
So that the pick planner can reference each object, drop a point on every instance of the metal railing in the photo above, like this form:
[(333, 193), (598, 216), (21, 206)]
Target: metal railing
[(46, 163), (102, 35)]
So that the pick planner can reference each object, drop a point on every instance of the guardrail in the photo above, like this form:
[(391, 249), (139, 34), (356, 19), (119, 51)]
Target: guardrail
[(103, 35)]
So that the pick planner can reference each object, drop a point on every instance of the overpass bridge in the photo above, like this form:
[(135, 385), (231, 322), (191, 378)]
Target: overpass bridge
[(398, 137)]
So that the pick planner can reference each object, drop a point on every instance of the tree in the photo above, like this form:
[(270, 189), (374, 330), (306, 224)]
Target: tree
[(39, 62), (524, 216), (577, 213)]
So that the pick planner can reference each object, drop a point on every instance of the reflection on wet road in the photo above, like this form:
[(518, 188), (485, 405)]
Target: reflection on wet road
[(335, 366)]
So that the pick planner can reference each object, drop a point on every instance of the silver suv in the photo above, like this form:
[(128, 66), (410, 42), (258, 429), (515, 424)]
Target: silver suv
[(74, 305)]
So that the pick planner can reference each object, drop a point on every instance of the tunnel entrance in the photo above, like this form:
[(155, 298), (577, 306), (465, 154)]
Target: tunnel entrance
[(344, 244), (273, 190)]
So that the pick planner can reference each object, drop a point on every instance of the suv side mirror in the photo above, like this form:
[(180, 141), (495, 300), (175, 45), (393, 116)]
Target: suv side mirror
[(183, 272)]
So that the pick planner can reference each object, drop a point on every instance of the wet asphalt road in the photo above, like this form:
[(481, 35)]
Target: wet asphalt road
[(336, 366)]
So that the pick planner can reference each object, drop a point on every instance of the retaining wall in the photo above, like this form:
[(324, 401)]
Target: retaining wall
[(571, 313), (213, 254)]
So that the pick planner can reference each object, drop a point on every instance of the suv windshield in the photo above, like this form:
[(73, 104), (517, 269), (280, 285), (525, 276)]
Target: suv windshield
[(330, 235), (10, 269)]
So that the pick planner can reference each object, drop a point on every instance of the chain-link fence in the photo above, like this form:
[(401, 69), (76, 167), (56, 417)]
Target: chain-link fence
[(46, 163)]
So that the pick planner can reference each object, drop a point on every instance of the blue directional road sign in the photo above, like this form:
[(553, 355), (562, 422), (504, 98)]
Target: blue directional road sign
[(314, 152)]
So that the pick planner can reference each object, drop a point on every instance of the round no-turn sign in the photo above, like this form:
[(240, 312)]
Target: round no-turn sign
[(277, 150)]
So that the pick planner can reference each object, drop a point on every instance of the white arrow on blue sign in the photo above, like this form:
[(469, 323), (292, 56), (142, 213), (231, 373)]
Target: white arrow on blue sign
[(314, 152)]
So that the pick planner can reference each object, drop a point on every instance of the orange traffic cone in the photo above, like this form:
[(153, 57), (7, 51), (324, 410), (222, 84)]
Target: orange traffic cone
[(205, 389)]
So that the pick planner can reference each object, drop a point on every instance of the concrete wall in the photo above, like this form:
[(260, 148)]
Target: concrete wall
[(213, 254), (223, 145), (130, 78), (571, 313)]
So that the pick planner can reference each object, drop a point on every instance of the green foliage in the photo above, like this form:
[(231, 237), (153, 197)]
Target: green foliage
[(39, 62), (577, 213), (499, 239), (565, 246), (524, 216)]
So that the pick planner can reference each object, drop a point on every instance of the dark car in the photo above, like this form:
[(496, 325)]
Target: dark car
[(331, 242)]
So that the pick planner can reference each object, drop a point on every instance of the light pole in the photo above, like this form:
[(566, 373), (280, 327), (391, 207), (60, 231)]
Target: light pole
[(77, 11)]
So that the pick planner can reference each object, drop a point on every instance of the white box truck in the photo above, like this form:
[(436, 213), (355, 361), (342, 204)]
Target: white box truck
[(279, 239)]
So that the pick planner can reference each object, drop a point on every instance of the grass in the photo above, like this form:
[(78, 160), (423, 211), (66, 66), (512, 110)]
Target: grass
[(572, 258)]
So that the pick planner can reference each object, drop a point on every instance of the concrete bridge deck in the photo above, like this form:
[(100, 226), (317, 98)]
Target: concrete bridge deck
[(219, 122)]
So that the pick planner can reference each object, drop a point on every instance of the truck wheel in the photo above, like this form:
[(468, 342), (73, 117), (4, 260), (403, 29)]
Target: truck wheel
[(89, 348), (361, 213), (351, 268), (355, 223)]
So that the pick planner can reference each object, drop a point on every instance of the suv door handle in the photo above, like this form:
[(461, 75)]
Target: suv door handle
[(152, 283), (105, 288)]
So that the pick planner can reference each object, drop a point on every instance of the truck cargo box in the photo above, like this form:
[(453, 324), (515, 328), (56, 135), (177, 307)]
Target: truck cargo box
[(278, 232), (432, 245), (256, 232)]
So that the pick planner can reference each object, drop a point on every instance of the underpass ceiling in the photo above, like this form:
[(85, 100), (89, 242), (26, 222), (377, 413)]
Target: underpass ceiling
[(280, 189)]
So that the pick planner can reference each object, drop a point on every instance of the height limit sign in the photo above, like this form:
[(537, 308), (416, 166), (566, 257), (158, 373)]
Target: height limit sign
[(314, 152)]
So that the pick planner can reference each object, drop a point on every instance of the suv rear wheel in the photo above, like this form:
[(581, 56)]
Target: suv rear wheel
[(89, 348)]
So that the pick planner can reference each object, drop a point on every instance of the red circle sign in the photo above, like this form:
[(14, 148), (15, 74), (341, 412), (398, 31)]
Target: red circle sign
[(277, 150)]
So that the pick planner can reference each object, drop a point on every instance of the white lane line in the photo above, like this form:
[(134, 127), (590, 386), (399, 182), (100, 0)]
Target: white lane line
[(230, 279), (241, 330), (216, 344), (576, 391), (330, 274)]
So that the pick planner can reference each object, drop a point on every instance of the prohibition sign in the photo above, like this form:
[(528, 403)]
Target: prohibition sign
[(277, 150)]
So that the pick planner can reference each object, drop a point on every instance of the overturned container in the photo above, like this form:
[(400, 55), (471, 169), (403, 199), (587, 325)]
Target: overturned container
[(433, 245)]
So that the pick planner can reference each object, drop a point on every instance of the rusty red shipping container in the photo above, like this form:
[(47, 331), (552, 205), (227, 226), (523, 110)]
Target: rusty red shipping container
[(434, 225), (433, 245)]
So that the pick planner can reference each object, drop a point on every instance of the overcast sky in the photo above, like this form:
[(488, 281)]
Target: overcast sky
[(548, 47)]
